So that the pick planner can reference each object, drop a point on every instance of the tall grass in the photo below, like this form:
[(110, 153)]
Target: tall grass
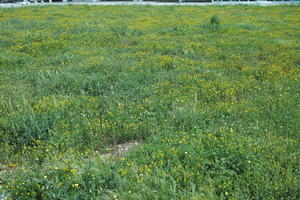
[(215, 105)]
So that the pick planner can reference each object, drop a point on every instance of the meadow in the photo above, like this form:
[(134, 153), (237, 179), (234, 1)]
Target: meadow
[(210, 93)]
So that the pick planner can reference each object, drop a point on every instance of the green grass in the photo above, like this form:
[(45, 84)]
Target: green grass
[(211, 92)]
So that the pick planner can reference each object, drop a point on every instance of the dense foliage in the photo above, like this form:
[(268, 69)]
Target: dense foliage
[(212, 94)]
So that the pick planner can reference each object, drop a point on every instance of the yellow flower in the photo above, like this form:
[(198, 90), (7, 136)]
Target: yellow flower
[(73, 170)]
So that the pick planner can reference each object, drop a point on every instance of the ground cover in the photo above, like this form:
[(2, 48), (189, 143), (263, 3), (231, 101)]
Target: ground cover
[(212, 99)]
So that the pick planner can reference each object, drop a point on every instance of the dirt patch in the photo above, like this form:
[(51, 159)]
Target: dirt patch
[(120, 149)]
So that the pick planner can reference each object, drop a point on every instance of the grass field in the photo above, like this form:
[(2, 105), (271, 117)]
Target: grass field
[(210, 93)]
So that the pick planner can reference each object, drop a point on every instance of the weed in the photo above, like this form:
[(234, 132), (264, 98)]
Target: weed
[(215, 20)]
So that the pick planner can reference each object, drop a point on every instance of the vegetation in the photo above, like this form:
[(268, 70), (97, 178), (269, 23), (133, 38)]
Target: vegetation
[(213, 100)]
